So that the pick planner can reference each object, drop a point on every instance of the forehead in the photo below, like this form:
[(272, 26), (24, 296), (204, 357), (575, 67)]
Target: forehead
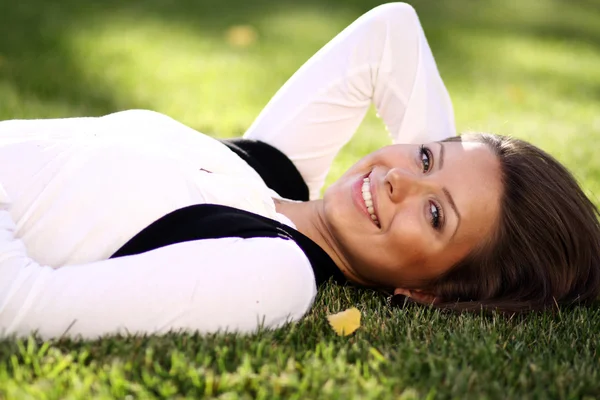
[(471, 173)]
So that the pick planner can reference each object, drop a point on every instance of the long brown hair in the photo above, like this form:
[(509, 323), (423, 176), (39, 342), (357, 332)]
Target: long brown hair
[(545, 251)]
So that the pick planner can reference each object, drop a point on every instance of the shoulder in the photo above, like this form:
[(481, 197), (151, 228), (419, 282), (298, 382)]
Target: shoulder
[(278, 263), (287, 275), (278, 276), (269, 279)]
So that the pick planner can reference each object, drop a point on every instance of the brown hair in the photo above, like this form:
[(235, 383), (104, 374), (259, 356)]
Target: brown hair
[(545, 251)]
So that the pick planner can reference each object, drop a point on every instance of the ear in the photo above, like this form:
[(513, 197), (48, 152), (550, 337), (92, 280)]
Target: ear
[(420, 296)]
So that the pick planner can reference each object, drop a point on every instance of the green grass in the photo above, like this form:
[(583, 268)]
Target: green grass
[(529, 68), (410, 354)]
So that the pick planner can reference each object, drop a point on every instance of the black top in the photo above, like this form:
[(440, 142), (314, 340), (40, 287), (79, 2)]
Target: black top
[(278, 171)]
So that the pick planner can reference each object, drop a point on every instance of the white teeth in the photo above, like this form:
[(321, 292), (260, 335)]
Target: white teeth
[(368, 198)]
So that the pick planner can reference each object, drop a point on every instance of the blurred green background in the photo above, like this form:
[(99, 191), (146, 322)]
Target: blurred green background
[(528, 68)]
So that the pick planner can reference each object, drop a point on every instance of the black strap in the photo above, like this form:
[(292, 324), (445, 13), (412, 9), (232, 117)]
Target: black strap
[(212, 221), (274, 167)]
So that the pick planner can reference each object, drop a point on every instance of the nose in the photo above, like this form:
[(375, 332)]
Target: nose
[(401, 184)]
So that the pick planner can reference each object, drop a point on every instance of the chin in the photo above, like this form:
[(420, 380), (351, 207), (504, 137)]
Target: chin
[(334, 214)]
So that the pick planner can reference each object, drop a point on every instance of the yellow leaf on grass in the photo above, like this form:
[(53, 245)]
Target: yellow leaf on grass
[(241, 35), (345, 322)]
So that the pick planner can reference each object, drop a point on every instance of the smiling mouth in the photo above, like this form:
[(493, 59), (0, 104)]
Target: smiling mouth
[(368, 199)]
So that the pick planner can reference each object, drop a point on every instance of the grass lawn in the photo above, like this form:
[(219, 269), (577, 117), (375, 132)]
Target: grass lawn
[(528, 68)]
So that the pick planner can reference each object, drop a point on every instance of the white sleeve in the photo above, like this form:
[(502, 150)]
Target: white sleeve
[(382, 58), (228, 284)]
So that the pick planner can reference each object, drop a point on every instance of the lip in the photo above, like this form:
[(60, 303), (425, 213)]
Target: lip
[(360, 202)]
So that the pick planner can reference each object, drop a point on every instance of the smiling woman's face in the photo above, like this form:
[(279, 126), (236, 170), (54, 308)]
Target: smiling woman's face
[(406, 214)]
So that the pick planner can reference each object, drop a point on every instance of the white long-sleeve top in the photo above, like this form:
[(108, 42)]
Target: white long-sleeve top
[(78, 189), (73, 191)]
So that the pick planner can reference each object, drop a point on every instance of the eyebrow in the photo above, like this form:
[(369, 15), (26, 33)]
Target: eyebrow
[(449, 198)]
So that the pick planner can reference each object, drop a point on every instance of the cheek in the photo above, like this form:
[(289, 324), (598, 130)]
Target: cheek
[(407, 231), (403, 246)]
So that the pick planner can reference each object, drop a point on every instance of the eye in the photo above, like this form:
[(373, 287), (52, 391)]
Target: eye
[(426, 158), (437, 217)]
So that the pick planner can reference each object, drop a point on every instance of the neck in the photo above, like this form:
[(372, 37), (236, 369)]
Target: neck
[(309, 220)]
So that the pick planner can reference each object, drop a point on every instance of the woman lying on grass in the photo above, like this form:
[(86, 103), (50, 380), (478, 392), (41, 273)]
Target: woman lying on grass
[(135, 223)]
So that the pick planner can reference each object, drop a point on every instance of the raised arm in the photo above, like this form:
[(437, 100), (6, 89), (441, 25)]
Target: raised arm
[(382, 58)]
